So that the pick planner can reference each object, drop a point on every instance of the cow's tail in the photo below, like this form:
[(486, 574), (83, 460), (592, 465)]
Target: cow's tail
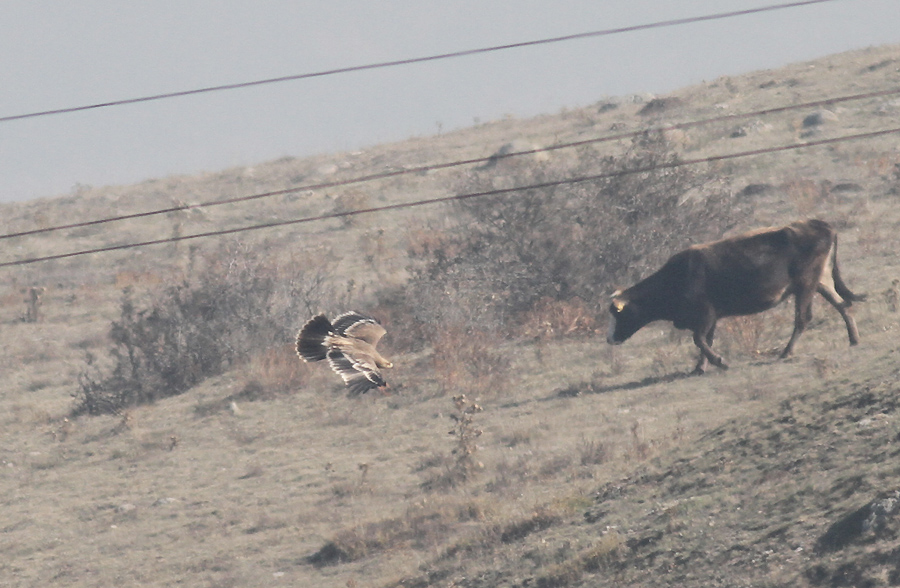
[(311, 339), (839, 286)]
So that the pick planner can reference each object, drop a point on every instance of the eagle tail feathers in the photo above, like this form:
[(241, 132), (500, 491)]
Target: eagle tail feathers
[(311, 339)]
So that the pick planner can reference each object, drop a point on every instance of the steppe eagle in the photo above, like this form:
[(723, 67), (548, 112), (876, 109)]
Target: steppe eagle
[(348, 344)]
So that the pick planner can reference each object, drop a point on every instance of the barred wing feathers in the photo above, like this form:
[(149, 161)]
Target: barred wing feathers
[(353, 324), (359, 373), (349, 345)]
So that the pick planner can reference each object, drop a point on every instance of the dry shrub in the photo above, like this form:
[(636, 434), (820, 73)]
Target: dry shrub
[(891, 296), (511, 475), (542, 518), (356, 487), (640, 448), (237, 305), (608, 550), (593, 452), (874, 241), (425, 240), (808, 196), (130, 279), (554, 466), (468, 360), (349, 202), (743, 335), (512, 531), (467, 435), (880, 165), (560, 575), (666, 360), (519, 437), (463, 465), (824, 366), (277, 370), (893, 179), (547, 254), (550, 318)]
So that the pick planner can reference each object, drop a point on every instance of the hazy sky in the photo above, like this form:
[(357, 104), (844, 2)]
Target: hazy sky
[(62, 54)]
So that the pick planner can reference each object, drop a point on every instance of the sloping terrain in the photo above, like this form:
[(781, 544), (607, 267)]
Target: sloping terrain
[(807, 493), (587, 466)]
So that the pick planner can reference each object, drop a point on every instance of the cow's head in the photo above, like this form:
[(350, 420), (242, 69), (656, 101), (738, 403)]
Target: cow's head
[(625, 319)]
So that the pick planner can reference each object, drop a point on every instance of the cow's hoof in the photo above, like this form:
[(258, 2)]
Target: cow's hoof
[(698, 371)]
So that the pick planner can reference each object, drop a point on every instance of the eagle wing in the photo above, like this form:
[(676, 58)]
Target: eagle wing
[(358, 371), (369, 331), (359, 326), (344, 321)]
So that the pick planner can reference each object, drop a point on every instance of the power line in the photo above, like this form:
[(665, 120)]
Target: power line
[(400, 62), (458, 163), (459, 197)]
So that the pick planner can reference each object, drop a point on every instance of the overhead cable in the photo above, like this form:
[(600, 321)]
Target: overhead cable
[(458, 163), (400, 62), (458, 197)]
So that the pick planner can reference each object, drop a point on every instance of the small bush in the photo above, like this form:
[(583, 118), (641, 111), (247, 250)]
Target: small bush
[(235, 307), (463, 465), (349, 202), (545, 258)]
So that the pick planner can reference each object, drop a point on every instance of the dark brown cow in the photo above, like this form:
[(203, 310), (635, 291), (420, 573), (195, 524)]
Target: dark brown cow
[(740, 275)]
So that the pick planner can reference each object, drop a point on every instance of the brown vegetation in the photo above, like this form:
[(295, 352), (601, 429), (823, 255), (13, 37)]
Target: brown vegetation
[(227, 462)]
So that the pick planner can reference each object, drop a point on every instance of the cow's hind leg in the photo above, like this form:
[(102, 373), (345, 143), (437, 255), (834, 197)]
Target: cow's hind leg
[(802, 316), (841, 307), (835, 291)]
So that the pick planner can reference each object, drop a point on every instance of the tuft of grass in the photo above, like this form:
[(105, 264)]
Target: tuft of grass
[(593, 452), (542, 518), (594, 559), (640, 448), (423, 525)]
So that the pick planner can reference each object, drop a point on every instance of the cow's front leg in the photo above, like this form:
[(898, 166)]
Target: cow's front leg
[(703, 338)]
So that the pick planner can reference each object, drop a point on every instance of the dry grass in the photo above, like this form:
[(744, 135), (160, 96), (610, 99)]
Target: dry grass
[(265, 474), (469, 360), (559, 318)]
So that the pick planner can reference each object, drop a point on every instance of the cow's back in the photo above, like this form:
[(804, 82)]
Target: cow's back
[(755, 271)]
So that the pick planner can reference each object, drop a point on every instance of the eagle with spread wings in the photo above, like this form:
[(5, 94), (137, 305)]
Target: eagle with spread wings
[(348, 344)]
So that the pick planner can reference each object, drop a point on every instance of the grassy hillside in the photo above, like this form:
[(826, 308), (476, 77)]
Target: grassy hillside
[(587, 465)]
